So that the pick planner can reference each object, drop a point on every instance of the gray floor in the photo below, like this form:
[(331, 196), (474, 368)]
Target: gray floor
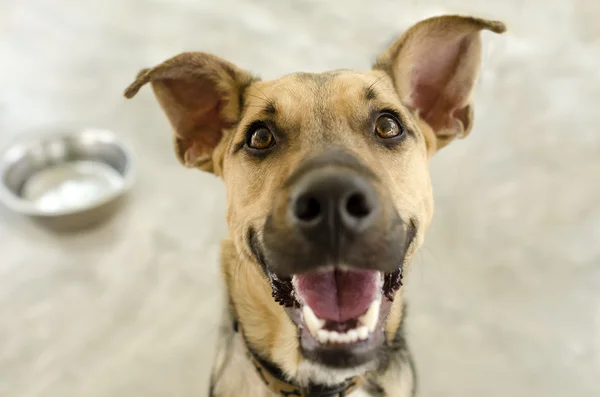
[(504, 298)]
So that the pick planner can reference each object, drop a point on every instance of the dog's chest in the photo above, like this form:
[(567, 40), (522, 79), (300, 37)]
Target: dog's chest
[(237, 377)]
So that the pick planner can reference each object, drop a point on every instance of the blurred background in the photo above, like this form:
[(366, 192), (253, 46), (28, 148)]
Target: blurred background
[(504, 299)]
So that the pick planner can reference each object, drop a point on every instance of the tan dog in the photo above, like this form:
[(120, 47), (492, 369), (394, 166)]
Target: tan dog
[(328, 198)]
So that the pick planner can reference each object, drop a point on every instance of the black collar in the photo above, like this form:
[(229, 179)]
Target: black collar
[(275, 380)]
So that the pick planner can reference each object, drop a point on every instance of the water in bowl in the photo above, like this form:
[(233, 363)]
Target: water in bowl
[(71, 186)]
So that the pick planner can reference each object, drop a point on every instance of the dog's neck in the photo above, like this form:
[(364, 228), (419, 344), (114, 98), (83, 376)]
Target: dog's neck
[(275, 380)]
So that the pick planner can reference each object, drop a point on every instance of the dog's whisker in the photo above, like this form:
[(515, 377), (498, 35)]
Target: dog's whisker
[(386, 89), (376, 81), (266, 97), (257, 97), (255, 106)]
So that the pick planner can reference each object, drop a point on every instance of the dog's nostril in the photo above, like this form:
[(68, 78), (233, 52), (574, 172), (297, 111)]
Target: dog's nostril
[(307, 209), (357, 205)]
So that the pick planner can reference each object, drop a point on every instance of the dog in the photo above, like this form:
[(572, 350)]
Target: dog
[(328, 199)]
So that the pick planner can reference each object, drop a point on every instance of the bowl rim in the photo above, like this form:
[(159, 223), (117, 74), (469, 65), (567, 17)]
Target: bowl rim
[(14, 151)]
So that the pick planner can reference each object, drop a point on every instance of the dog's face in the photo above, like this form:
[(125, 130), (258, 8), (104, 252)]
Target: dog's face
[(328, 191)]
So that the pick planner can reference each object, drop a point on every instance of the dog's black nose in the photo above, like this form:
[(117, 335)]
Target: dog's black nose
[(326, 205), (333, 211)]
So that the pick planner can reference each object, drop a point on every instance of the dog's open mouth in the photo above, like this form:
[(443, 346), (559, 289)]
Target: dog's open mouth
[(340, 307), (340, 313)]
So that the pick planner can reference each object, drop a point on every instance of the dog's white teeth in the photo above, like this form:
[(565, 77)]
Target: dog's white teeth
[(334, 337), (313, 323), (323, 336), (370, 318), (362, 332), (352, 335), (367, 324), (344, 338)]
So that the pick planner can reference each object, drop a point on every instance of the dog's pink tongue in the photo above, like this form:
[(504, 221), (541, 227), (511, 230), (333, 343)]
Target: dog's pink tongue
[(338, 295)]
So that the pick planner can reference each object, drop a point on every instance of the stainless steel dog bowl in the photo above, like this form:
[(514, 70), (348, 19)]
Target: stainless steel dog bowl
[(68, 179)]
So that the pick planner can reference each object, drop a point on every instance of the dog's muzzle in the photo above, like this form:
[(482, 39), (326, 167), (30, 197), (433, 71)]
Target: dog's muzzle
[(333, 248)]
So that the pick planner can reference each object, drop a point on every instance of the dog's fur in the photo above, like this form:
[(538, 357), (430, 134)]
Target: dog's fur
[(426, 76)]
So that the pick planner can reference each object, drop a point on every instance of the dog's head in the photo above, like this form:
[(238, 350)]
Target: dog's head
[(328, 190)]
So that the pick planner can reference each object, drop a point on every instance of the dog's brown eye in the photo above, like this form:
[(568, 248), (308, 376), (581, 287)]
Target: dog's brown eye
[(260, 139), (387, 127)]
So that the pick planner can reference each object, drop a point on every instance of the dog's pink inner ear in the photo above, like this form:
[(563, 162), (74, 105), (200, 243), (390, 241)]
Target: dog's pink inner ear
[(435, 66), (199, 93), (441, 78), (193, 107)]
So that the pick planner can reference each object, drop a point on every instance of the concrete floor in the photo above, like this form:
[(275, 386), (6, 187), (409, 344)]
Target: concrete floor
[(504, 298)]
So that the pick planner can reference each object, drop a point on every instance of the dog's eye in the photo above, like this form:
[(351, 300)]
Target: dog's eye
[(387, 127), (260, 138)]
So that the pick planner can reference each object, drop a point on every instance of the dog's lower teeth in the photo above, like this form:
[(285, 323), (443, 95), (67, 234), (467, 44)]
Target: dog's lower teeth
[(367, 324), (352, 335), (344, 338), (323, 336), (362, 332), (333, 337)]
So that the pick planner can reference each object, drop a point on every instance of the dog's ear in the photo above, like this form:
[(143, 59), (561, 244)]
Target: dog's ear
[(434, 66), (200, 94)]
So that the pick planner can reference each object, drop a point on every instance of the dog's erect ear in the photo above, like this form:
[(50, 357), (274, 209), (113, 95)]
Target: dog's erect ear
[(434, 66), (200, 94)]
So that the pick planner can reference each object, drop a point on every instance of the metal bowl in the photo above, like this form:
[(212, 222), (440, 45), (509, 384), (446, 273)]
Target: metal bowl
[(67, 180)]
